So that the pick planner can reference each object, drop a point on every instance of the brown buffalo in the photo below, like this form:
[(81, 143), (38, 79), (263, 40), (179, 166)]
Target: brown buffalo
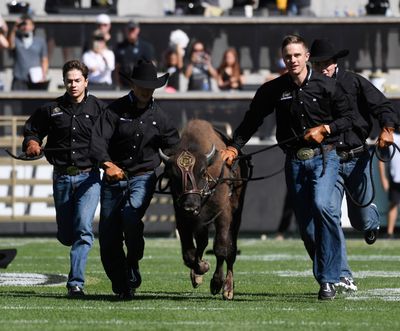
[(206, 193)]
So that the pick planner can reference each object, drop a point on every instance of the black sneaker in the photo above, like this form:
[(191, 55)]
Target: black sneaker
[(126, 295), (346, 285), (326, 292), (75, 291), (370, 236)]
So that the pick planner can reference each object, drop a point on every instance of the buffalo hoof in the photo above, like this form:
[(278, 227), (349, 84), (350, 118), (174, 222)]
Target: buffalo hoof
[(204, 266), (196, 279), (228, 292), (215, 286)]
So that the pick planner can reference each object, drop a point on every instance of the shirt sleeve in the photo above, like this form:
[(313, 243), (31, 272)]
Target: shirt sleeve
[(253, 118), (342, 111), (36, 127), (378, 105), (101, 135)]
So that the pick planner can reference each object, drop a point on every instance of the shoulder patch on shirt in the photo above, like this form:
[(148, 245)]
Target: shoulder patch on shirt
[(286, 95), (56, 111)]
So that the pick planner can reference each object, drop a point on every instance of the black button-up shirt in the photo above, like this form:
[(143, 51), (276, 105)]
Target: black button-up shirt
[(131, 137), (319, 100), (367, 102), (68, 126)]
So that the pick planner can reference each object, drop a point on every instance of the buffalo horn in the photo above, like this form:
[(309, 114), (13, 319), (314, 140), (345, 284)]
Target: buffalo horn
[(164, 157), (210, 155)]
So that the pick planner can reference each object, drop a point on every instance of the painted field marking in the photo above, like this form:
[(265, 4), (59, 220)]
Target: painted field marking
[(31, 279)]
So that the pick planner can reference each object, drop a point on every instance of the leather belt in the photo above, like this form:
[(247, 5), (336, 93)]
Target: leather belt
[(71, 170), (307, 153), (352, 153)]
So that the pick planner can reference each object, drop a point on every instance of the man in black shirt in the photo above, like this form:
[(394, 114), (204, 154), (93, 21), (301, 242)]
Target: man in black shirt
[(126, 143), (354, 172), (67, 122), (129, 52), (310, 114)]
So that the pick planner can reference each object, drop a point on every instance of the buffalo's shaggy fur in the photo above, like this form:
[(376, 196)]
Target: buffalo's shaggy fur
[(209, 197)]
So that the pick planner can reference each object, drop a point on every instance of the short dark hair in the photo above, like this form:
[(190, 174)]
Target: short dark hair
[(75, 64), (293, 39)]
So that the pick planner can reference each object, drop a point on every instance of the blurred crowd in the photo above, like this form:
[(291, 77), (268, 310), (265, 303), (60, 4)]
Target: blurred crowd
[(187, 59)]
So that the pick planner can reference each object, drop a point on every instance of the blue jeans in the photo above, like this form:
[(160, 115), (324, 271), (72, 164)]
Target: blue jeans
[(76, 199), (123, 204), (355, 175), (318, 219)]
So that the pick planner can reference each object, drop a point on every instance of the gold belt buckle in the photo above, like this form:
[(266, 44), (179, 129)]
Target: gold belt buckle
[(72, 171), (305, 153)]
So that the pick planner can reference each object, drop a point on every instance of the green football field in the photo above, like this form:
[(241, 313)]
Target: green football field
[(274, 290)]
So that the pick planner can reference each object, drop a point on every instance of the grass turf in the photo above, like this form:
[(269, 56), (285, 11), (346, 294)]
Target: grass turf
[(274, 290)]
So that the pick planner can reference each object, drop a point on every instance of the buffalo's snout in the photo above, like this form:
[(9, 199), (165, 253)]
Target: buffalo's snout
[(191, 204)]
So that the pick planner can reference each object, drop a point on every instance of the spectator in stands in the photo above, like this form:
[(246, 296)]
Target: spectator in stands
[(200, 71), (101, 63), (128, 52), (230, 75), (30, 55), (173, 64), (103, 24), (173, 59), (4, 44), (67, 122)]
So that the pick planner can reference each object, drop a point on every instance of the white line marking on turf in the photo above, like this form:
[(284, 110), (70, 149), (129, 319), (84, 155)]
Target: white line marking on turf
[(132, 308), (31, 279), (356, 274), (196, 323), (384, 294), (304, 257)]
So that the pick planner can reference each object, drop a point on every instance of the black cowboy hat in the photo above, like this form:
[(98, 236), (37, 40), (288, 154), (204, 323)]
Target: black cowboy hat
[(144, 74), (323, 50)]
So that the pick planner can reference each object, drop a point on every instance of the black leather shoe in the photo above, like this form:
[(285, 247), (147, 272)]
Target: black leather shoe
[(75, 291), (327, 292), (370, 236), (126, 295)]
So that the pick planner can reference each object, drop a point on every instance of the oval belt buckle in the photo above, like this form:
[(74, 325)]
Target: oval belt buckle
[(305, 153)]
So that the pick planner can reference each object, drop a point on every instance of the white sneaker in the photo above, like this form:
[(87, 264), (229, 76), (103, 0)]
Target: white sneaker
[(346, 285)]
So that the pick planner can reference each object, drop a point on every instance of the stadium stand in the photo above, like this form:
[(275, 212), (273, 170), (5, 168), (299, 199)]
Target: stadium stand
[(25, 189)]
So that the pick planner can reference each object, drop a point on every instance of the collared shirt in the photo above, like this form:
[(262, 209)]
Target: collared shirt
[(367, 102), (28, 57), (68, 126), (131, 137), (128, 54), (317, 101)]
